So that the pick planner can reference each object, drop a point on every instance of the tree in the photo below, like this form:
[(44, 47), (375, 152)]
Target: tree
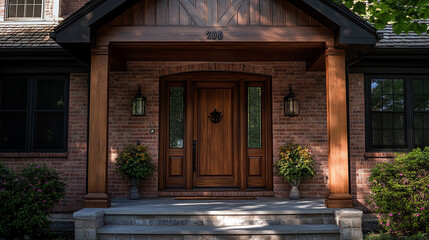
[(404, 15)]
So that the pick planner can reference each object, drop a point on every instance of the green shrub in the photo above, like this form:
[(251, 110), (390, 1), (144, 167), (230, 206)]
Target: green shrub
[(135, 161), (296, 162), (400, 193), (26, 200)]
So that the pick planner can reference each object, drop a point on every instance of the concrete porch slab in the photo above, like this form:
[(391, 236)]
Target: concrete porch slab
[(169, 206)]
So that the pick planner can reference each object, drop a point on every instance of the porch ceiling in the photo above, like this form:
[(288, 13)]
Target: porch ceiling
[(221, 52)]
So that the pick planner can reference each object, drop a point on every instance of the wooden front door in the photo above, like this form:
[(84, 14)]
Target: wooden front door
[(215, 132)]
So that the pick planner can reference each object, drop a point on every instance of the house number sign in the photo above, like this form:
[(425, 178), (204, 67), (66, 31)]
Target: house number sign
[(214, 35)]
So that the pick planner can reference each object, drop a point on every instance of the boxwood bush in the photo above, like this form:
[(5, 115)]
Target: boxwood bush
[(26, 199), (400, 193)]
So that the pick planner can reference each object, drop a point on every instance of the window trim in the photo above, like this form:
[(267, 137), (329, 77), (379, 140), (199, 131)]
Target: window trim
[(409, 111), (24, 19), (31, 113)]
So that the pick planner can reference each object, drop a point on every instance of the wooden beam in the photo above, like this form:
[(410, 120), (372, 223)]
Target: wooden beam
[(97, 196), (112, 34), (339, 195)]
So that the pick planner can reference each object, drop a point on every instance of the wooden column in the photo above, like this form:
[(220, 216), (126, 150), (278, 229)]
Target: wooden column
[(97, 196), (339, 195)]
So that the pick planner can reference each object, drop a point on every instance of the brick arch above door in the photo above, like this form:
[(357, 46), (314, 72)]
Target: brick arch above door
[(231, 67)]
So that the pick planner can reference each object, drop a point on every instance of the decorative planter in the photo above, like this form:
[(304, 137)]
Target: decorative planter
[(294, 192), (134, 192)]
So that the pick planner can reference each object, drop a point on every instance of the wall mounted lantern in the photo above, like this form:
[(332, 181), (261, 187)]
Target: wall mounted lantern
[(291, 104), (139, 104)]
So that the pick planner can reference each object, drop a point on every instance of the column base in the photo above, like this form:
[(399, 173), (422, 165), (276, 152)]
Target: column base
[(97, 200), (339, 201)]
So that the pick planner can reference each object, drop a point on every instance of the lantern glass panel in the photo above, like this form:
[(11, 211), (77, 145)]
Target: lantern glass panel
[(138, 106), (291, 106)]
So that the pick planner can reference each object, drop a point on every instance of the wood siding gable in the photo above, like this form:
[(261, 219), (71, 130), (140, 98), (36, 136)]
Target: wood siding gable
[(277, 13)]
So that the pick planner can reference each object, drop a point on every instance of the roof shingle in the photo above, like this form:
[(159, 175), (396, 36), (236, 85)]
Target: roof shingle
[(403, 40), (27, 36)]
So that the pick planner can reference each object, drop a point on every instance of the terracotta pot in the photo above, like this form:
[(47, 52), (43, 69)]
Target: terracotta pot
[(134, 192), (294, 192)]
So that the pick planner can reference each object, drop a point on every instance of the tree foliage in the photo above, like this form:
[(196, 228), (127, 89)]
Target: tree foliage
[(403, 15)]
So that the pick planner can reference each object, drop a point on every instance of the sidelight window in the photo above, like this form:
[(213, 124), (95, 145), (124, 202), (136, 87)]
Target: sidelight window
[(176, 117), (254, 121)]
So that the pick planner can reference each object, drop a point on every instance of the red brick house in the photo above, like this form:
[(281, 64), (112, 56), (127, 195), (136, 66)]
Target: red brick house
[(70, 69)]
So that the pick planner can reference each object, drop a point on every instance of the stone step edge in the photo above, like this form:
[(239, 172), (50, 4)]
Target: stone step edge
[(223, 230), (135, 212)]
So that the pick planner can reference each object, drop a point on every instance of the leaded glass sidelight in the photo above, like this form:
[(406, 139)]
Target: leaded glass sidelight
[(176, 117), (254, 118)]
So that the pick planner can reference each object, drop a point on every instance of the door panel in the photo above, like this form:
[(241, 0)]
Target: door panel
[(217, 158)]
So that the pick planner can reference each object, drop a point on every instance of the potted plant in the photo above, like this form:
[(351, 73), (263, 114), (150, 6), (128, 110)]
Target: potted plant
[(295, 164), (136, 163)]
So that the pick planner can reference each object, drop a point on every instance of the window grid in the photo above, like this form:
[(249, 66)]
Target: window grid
[(415, 115), (388, 112), (421, 112), (25, 9), (30, 139)]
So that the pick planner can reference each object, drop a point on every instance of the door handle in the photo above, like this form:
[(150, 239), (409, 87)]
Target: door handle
[(194, 153)]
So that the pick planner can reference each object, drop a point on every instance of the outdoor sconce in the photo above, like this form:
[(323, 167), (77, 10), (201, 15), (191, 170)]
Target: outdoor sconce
[(139, 104), (291, 104)]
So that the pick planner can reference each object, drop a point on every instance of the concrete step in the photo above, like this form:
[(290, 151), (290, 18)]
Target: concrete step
[(310, 232), (219, 219)]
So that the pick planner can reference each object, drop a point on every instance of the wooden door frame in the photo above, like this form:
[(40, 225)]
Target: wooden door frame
[(187, 79)]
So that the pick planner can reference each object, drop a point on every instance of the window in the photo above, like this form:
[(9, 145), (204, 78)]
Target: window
[(177, 117), (397, 112), (25, 9), (254, 117), (33, 113)]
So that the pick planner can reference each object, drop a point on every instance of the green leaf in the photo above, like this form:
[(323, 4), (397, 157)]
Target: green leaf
[(360, 8)]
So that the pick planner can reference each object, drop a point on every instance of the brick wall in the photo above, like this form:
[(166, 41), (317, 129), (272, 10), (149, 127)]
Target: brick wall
[(2, 10), (360, 162), (309, 128), (71, 164)]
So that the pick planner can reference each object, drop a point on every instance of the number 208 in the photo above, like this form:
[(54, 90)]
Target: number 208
[(214, 35)]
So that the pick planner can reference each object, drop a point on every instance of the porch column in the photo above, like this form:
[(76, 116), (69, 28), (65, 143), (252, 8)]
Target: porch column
[(339, 195), (97, 196)]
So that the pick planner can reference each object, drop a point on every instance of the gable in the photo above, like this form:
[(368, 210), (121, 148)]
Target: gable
[(79, 30), (214, 13)]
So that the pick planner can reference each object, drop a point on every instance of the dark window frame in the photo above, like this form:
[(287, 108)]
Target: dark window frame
[(41, 18), (32, 110), (409, 111)]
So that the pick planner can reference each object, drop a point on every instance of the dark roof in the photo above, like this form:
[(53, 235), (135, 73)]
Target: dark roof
[(27, 35), (403, 40)]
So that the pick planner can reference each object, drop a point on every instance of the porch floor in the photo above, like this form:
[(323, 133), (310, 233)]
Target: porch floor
[(169, 206)]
